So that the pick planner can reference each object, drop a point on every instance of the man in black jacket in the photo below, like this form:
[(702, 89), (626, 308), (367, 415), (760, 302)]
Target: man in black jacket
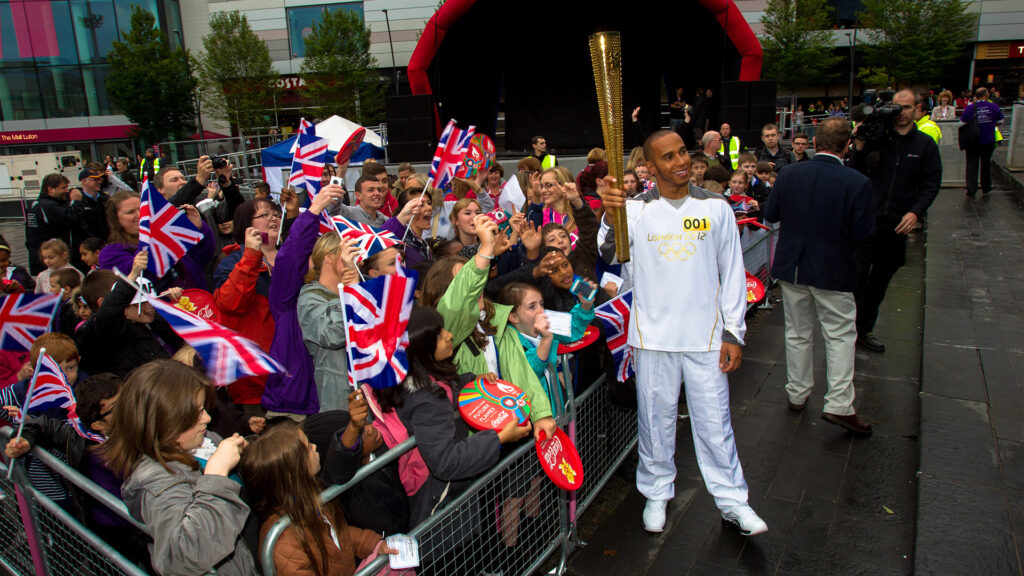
[(128, 176), (825, 210), (50, 216), (905, 172)]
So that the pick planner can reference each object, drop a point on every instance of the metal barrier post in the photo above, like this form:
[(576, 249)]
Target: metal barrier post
[(766, 304), (28, 517)]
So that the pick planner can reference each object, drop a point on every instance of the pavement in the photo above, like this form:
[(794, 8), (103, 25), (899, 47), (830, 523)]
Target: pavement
[(938, 488)]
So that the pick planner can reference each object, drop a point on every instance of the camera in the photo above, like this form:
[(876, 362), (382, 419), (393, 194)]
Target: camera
[(877, 119), (219, 162)]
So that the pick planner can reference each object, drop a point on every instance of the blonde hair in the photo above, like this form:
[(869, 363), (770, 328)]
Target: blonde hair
[(596, 155), (562, 205), (462, 186), (420, 181), (950, 102), (327, 245), (636, 158), (55, 244)]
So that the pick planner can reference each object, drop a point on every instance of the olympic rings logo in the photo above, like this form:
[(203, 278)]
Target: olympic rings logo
[(673, 251)]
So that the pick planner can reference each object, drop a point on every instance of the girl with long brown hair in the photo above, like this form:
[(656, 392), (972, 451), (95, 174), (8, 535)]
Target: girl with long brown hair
[(194, 512), (279, 470)]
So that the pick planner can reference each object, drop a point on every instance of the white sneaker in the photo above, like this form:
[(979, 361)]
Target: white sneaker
[(654, 515), (745, 520)]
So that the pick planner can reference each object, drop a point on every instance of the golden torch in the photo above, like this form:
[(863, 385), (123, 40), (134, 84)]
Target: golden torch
[(606, 56)]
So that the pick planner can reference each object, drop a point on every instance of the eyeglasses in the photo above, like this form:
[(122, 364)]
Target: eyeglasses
[(547, 185), (267, 216)]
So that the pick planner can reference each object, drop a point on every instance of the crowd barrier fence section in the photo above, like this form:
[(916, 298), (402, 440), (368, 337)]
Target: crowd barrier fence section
[(38, 536)]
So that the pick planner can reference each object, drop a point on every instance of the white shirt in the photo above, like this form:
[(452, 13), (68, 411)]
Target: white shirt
[(688, 274)]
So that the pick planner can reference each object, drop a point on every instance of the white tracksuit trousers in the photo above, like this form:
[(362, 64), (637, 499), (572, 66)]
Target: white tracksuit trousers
[(658, 377)]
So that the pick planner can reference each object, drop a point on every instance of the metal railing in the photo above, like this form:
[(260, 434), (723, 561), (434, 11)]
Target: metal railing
[(37, 536)]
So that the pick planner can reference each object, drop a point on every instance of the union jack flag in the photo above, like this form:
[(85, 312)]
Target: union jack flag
[(376, 326), (228, 356), (615, 315), (50, 391), (166, 231), (25, 317), (308, 163), (451, 151), (369, 240)]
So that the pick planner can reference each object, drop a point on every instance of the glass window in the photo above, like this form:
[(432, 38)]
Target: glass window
[(172, 23), (63, 93), (123, 8), (39, 30), (19, 95), (301, 18), (95, 29), (96, 98)]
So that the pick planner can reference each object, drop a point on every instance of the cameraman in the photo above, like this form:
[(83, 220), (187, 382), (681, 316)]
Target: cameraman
[(905, 172)]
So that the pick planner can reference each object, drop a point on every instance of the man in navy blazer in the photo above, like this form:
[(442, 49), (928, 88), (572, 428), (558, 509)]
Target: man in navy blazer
[(824, 210)]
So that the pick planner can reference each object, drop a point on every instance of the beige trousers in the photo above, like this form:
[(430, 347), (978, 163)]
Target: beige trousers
[(836, 314)]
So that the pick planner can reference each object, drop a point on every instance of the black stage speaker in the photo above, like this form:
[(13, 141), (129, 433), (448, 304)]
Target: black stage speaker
[(410, 128), (747, 107)]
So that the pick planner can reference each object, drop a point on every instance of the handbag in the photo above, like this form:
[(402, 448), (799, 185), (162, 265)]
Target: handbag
[(968, 134)]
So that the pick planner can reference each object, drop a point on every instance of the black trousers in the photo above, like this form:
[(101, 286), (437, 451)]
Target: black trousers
[(877, 262), (981, 154)]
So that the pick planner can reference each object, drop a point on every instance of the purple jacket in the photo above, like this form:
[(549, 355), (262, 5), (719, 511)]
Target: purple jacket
[(294, 391), (122, 256), (416, 250)]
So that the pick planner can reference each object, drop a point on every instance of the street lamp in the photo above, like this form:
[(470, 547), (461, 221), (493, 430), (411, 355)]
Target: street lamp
[(853, 43)]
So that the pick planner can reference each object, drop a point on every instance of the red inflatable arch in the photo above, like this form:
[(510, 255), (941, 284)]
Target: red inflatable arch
[(725, 11)]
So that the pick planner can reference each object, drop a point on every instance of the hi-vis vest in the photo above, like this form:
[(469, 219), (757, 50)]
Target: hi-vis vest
[(734, 151), (925, 124), (142, 167), (548, 161)]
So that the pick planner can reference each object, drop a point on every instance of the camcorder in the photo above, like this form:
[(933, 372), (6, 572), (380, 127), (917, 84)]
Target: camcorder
[(876, 121)]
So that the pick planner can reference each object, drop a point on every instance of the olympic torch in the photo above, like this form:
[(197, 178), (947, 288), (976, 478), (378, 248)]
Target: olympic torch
[(606, 56)]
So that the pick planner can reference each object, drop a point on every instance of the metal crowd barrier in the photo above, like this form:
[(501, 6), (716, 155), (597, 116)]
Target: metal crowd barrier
[(39, 537)]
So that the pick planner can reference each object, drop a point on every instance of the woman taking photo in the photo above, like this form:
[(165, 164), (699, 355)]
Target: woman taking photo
[(242, 285), (279, 469)]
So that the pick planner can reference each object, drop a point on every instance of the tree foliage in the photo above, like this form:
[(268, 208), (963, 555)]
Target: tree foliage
[(236, 74), (341, 76), (913, 40), (797, 42), (151, 82)]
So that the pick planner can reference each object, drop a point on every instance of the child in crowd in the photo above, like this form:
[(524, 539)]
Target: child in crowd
[(378, 502), (698, 167), (122, 334), (13, 279), (82, 309), (96, 398), (426, 406), (531, 323), (484, 342), (279, 470), (748, 163), (55, 255), (760, 185), (89, 250), (194, 514), (65, 282), (63, 351)]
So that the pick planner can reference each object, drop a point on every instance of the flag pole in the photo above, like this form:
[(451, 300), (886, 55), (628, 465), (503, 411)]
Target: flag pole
[(24, 406), (348, 346)]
